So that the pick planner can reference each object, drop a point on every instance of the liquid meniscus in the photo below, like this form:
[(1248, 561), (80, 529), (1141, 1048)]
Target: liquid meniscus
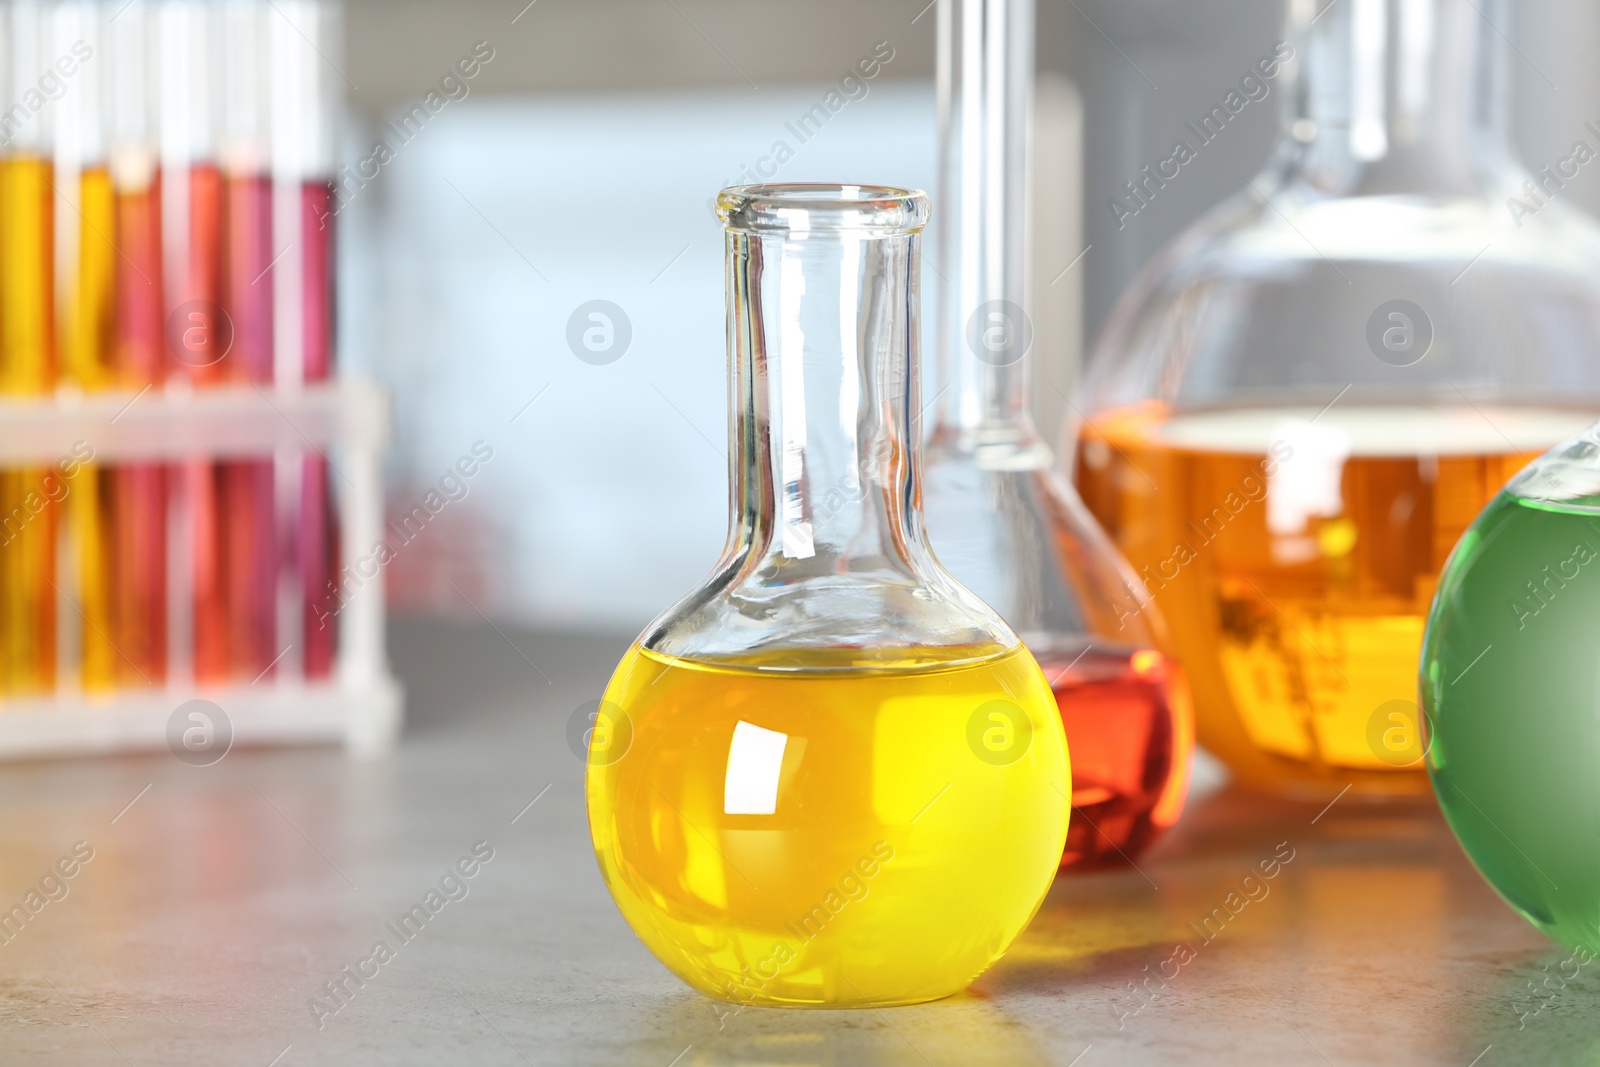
[(1294, 553), (829, 833)]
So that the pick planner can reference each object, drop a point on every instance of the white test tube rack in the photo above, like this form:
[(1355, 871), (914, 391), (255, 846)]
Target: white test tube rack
[(346, 418)]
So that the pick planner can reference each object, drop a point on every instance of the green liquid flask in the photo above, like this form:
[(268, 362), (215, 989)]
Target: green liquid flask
[(1511, 692)]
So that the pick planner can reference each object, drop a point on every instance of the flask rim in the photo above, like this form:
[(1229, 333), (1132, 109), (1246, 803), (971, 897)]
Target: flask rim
[(800, 208)]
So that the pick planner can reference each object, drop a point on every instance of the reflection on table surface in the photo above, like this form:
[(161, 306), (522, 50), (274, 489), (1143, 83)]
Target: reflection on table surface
[(232, 913)]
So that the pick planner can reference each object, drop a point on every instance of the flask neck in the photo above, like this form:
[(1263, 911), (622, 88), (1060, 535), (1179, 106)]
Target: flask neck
[(1395, 96), (823, 333), (985, 90), (826, 549)]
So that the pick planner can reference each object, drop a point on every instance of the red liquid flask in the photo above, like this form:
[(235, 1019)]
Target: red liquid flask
[(999, 516), (1128, 715)]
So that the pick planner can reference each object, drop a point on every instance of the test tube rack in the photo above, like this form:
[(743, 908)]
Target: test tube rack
[(348, 420)]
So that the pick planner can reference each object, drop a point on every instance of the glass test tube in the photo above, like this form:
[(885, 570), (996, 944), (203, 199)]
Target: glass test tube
[(85, 313), (249, 519), (27, 343), (305, 92), (139, 491), (200, 344)]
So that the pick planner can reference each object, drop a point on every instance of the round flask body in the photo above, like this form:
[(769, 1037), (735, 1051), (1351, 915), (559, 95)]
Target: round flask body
[(1512, 694), (830, 775), (830, 836), (1304, 401)]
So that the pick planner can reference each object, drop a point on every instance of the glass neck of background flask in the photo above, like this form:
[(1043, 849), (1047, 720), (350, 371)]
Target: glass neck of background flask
[(824, 329), (1395, 97), (985, 88)]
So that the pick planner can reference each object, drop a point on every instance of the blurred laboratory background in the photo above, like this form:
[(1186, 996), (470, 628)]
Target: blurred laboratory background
[(578, 164), (529, 268)]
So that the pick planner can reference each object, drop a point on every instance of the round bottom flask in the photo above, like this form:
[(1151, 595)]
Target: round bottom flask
[(1001, 519), (830, 776), (1512, 694), (1305, 399), (1012, 530)]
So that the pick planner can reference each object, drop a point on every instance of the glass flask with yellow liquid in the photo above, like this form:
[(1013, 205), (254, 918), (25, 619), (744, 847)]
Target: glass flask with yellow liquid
[(829, 776), (1001, 518), (1306, 398)]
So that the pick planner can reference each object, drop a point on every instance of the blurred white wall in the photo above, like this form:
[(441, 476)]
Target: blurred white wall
[(606, 496)]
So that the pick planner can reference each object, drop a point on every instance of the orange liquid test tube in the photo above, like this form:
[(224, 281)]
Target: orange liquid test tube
[(206, 338), (29, 495), (86, 331), (200, 340), (139, 490), (88, 348), (27, 368)]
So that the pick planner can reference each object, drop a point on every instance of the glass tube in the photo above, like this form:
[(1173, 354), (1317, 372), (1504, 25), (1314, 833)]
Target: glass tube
[(86, 268), (140, 490), (248, 519), (192, 263), (305, 93), (1002, 519), (27, 348)]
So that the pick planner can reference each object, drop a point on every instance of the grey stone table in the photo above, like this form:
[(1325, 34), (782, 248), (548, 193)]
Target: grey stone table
[(219, 904)]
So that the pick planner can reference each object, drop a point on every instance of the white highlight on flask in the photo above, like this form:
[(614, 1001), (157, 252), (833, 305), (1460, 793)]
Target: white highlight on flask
[(755, 756), (796, 537), (1307, 484), (1369, 32)]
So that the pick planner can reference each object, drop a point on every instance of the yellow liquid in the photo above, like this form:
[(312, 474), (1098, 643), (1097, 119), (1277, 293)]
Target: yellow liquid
[(831, 834), (27, 367), (1299, 619), (88, 351)]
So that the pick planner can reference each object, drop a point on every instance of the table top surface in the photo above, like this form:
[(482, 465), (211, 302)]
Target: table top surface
[(219, 902)]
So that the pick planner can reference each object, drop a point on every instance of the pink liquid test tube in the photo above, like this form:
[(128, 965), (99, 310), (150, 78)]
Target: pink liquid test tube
[(139, 491), (318, 533), (306, 91), (248, 516)]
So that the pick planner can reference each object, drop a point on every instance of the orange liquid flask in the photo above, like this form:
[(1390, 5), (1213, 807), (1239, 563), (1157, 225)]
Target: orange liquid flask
[(1303, 402)]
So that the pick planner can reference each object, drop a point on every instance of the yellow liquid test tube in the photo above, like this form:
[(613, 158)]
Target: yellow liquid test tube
[(27, 495), (88, 349)]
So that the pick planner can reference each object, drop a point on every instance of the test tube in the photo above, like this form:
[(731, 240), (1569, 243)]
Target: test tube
[(139, 491), (249, 515), (85, 312), (200, 333), (305, 94), (27, 345)]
